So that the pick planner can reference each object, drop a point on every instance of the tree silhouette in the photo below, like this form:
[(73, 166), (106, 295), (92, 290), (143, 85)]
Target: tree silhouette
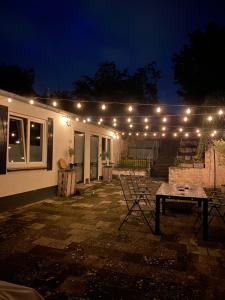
[(110, 83), (17, 80), (199, 66)]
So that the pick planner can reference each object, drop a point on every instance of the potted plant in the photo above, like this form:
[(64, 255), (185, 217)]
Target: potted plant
[(198, 162), (71, 152)]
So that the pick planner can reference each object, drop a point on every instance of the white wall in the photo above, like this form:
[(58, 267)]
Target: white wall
[(22, 181)]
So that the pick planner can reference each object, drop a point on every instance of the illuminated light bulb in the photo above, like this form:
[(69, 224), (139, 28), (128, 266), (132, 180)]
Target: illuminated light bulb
[(164, 120), (163, 134), (175, 134), (146, 127), (185, 119), (131, 125), (186, 134), (101, 120), (54, 103), (210, 118), (77, 119), (84, 121), (163, 128), (145, 134), (31, 102), (180, 129), (199, 134), (215, 132), (103, 107), (114, 125), (130, 108), (79, 105), (32, 125), (212, 134), (9, 100), (188, 111), (114, 120), (13, 134), (123, 133), (130, 133), (137, 134), (197, 130), (220, 112), (158, 109), (88, 119), (146, 120), (99, 123), (129, 120), (154, 134)]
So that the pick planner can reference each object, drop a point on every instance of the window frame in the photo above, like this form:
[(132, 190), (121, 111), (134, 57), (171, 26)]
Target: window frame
[(26, 138)]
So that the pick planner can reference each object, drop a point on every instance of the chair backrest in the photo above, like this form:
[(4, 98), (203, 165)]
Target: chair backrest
[(124, 182)]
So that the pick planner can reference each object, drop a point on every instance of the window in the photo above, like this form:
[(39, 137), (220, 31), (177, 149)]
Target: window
[(109, 148), (103, 148), (26, 142)]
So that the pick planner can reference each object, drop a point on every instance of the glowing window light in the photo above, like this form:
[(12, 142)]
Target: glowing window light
[(114, 124), (129, 120), (146, 127), (137, 133), (103, 107), (77, 119), (164, 120), (146, 120), (163, 134), (185, 119), (79, 105), (31, 101), (114, 120), (220, 112), (129, 133), (154, 134), (180, 129), (186, 134), (130, 108), (54, 103), (188, 111), (210, 118), (163, 128), (84, 121), (9, 100), (175, 134), (158, 109)]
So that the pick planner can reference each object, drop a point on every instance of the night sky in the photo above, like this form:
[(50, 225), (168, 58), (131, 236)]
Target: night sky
[(63, 41)]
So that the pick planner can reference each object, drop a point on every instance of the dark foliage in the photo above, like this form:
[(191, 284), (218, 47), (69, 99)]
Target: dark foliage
[(17, 80), (199, 66)]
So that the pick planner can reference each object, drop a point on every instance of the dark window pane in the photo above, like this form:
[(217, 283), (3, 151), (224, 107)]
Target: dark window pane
[(109, 148), (36, 140), (103, 148), (16, 142)]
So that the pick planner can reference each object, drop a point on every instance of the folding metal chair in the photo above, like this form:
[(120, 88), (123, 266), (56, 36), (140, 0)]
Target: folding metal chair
[(136, 201)]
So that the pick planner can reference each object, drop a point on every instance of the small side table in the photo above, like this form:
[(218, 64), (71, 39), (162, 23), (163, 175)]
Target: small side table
[(66, 182), (107, 173)]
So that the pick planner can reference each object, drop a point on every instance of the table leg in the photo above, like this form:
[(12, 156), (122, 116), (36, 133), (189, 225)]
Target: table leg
[(157, 215), (205, 219)]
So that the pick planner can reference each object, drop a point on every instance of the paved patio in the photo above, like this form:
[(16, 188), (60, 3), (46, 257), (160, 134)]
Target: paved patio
[(71, 249)]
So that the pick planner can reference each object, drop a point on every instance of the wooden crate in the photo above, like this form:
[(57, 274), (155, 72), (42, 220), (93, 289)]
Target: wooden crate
[(66, 182)]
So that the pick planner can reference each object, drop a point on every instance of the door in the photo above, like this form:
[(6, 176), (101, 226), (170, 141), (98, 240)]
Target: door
[(79, 139), (94, 157)]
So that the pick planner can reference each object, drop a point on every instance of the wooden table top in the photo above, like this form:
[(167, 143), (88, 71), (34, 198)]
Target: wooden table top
[(181, 190)]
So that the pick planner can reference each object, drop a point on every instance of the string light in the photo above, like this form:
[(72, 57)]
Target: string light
[(88, 119), (212, 134), (215, 132), (145, 134), (84, 121), (79, 105), (129, 133), (129, 120), (185, 119), (103, 107), (114, 124), (197, 130), (180, 129), (130, 108), (77, 119), (220, 112), (146, 127), (163, 128), (101, 120), (54, 103), (154, 134), (175, 134), (9, 100), (131, 125), (186, 134), (99, 123), (146, 120), (163, 134), (158, 109), (31, 102), (123, 133), (199, 134), (188, 111), (137, 133), (114, 120), (210, 118), (164, 120)]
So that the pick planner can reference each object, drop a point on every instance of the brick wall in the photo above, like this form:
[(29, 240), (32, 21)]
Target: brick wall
[(212, 173)]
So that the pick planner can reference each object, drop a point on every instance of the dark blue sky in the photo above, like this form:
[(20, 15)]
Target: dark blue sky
[(63, 40)]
